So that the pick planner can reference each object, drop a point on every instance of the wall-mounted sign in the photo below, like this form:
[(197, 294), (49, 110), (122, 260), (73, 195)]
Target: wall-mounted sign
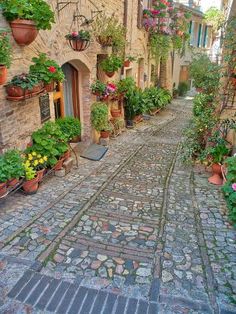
[(44, 104)]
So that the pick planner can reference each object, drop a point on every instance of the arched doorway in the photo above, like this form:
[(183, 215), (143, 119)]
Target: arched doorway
[(66, 97)]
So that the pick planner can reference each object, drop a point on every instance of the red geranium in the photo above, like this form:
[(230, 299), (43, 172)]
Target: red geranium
[(52, 69)]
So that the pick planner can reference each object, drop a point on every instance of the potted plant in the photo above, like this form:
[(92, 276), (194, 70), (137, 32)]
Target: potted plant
[(37, 162), (5, 56), (99, 118), (4, 176), (70, 127), (26, 17), (14, 162), (23, 86), (111, 64), (128, 60), (130, 106), (47, 71), (31, 184), (79, 41), (125, 85), (98, 88)]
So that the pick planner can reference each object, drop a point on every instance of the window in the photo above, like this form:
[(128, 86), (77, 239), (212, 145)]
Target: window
[(199, 35), (205, 39)]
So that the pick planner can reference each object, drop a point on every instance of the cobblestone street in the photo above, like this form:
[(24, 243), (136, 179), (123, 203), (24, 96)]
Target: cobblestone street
[(137, 232)]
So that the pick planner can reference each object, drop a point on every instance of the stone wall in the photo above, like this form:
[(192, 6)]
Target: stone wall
[(19, 119)]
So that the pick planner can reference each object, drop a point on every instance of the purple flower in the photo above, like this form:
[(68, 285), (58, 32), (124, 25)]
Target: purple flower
[(234, 186)]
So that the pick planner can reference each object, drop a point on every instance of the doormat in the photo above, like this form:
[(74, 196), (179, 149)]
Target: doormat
[(94, 152)]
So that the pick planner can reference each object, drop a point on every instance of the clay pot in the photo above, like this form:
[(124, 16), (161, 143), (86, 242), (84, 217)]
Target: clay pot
[(233, 80), (3, 74), (40, 174), (127, 63), (3, 189), (18, 93), (79, 44), (110, 74), (199, 90), (104, 134), (67, 155), (105, 41), (59, 164), (12, 182), (216, 178), (24, 31), (116, 113), (75, 139), (49, 87), (138, 118), (31, 186), (15, 91), (179, 33)]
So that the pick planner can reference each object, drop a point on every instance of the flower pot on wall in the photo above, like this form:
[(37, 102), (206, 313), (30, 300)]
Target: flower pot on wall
[(127, 63), (49, 87), (110, 74), (3, 74), (79, 44), (116, 113), (24, 31), (16, 93)]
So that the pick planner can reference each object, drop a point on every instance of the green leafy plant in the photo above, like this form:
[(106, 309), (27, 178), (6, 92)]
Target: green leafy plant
[(49, 141), (229, 188), (99, 117), (25, 81), (215, 18), (82, 35), (160, 45), (70, 127), (156, 98), (111, 64), (46, 70), (130, 58), (98, 87), (14, 163), (125, 85), (30, 172), (4, 170), (36, 10), (183, 88), (5, 49), (201, 102)]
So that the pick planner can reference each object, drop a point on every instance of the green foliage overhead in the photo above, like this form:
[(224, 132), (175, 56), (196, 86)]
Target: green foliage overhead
[(215, 18)]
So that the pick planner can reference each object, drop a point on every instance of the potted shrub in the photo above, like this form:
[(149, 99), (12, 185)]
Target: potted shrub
[(49, 141), (125, 85), (98, 88), (128, 60), (23, 86), (47, 71), (111, 64), (130, 106), (79, 41), (4, 176), (70, 127), (5, 56), (14, 162), (26, 17), (99, 118), (37, 162), (31, 184), (109, 32)]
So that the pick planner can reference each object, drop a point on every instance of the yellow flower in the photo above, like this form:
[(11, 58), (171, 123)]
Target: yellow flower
[(36, 162), (39, 156), (30, 157), (34, 154), (27, 163), (41, 161), (45, 158)]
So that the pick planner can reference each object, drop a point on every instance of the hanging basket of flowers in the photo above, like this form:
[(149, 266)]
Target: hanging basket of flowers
[(79, 41)]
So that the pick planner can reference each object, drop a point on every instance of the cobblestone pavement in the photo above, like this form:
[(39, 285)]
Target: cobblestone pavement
[(137, 232)]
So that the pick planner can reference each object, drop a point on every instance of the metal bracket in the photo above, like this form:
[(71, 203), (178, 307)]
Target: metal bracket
[(61, 5)]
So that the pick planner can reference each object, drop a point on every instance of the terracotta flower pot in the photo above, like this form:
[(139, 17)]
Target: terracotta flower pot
[(31, 186), (49, 87), (127, 63), (67, 155), (14, 91), (104, 134), (110, 74), (24, 31), (199, 90), (40, 174), (3, 74), (233, 80), (179, 33), (116, 113), (12, 182), (59, 164), (79, 44), (3, 189), (216, 178)]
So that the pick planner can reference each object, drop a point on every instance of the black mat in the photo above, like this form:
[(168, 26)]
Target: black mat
[(94, 152)]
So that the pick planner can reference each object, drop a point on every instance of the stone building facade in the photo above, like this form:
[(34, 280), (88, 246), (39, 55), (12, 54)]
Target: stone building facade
[(19, 119)]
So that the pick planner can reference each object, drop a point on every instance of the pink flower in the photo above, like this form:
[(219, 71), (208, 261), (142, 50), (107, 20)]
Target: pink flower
[(52, 69), (74, 34), (155, 12), (234, 186)]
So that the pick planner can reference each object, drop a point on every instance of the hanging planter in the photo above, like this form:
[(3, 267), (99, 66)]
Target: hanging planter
[(27, 18), (79, 41), (105, 41), (24, 31)]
